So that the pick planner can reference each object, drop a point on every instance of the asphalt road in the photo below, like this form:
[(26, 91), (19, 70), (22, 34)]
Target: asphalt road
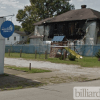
[(53, 92)]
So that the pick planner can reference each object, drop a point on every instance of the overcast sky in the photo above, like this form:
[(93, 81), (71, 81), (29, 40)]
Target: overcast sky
[(9, 7)]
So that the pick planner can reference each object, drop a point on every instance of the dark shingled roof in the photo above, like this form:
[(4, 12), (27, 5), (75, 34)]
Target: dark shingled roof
[(42, 21), (21, 33), (79, 14)]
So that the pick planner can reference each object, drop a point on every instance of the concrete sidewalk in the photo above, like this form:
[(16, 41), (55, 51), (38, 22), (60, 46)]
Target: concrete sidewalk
[(53, 92)]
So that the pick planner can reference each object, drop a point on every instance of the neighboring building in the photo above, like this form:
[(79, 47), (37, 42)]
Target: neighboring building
[(41, 33), (16, 38), (81, 25), (36, 39)]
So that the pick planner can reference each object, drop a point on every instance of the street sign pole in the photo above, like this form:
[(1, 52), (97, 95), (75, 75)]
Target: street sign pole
[(2, 48), (7, 29)]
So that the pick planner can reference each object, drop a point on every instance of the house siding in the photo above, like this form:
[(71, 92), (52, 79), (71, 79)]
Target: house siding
[(11, 39), (39, 31), (18, 38), (36, 41)]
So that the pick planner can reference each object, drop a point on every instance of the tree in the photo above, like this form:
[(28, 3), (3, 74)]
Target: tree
[(50, 8), (21, 29), (17, 28), (41, 9), (27, 17)]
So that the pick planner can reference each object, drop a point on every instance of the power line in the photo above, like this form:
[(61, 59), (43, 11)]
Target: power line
[(6, 16), (6, 10)]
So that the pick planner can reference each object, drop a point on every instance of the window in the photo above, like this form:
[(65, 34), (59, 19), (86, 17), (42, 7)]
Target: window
[(71, 28), (7, 38), (22, 37), (55, 26), (14, 38)]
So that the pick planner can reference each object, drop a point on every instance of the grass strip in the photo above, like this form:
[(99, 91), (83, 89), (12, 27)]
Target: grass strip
[(25, 69)]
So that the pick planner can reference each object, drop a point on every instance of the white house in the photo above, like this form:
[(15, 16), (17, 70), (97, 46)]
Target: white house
[(17, 37), (2, 49), (39, 37)]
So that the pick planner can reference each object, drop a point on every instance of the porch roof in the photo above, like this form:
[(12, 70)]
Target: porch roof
[(58, 38)]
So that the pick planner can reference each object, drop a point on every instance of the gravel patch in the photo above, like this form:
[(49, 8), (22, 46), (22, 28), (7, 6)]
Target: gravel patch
[(61, 68)]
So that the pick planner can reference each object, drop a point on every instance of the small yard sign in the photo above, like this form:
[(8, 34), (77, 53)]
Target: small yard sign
[(7, 29)]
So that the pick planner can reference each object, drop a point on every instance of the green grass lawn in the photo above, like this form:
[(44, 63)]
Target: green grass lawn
[(85, 62), (25, 56), (33, 70)]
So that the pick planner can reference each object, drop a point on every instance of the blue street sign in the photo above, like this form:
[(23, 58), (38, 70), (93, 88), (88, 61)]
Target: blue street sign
[(7, 29)]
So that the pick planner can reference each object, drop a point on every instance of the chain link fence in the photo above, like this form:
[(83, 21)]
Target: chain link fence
[(44, 50), (36, 51)]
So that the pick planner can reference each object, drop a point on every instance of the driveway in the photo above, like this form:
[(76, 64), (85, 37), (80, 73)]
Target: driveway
[(58, 68)]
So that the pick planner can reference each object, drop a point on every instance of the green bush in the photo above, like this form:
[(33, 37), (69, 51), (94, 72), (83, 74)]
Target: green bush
[(98, 54), (71, 57), (62, 57)]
